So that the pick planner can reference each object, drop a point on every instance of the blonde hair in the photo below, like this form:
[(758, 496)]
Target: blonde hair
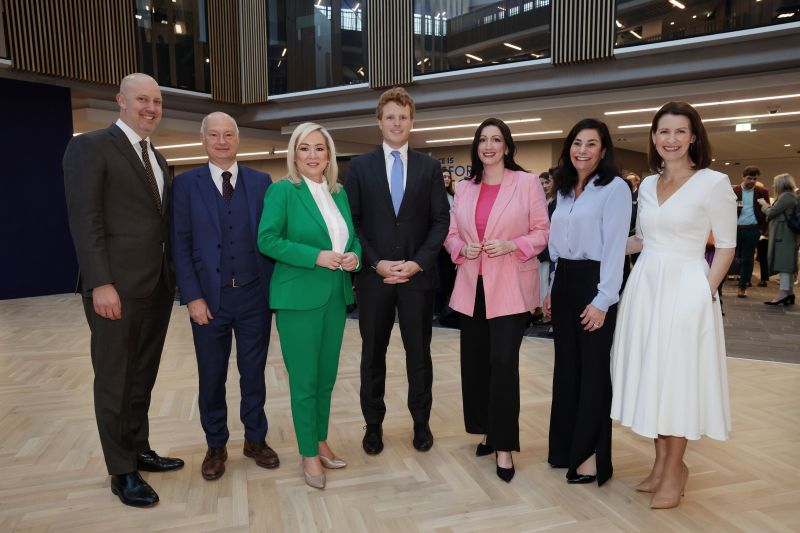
[(783, 183), (299, 134)]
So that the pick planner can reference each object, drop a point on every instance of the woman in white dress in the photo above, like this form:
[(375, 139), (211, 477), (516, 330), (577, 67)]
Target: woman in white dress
[(668, 360)]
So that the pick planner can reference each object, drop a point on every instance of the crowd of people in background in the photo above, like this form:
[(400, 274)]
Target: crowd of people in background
[(628, 272)]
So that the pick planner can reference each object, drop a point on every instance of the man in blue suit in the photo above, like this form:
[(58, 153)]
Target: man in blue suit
[(224, 282)]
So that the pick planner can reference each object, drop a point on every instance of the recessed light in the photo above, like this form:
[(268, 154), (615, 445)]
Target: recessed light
[(708, 104), (187, 145), (619, 24), (476, 58), (455, 126), (787, 145), (635, 34), (514, 46), (677, 4), (515, 135), (727, 163)]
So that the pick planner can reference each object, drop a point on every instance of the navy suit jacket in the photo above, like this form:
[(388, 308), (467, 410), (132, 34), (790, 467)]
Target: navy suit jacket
[(196, 233)]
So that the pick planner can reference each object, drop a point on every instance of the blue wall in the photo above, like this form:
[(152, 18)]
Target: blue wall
[(36, 252)]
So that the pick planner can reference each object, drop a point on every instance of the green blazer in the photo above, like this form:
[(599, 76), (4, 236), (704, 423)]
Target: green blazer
[(292, 231)]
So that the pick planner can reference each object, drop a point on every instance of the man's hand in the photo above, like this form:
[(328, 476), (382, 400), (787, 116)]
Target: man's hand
[(349, 261), (199, 312), (405, 269), (472, 250), (385, 269), (106, 302), (330, 259), (496, 247)]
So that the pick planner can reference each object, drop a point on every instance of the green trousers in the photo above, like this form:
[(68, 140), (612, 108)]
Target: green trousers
[(311, 341)]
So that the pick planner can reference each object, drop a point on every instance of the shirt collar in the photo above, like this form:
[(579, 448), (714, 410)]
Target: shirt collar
[(216, 172), (132, 136), (387, 151), (313, 185)]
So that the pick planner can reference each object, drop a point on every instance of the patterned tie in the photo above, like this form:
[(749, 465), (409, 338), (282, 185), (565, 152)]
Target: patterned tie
[(151, 177), (227, 187), (397, 181)]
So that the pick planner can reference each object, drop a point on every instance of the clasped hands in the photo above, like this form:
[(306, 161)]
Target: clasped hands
[(396, 272), (347, 261), (492, 248)]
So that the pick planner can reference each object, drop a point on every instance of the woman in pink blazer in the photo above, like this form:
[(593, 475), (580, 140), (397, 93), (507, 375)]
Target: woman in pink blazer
[(498, 225)]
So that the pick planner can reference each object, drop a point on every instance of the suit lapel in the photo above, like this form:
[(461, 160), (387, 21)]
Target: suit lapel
[(471, 194), (120, 140), (507, 188), (311, 206), (209, 193), (243, 181), (378, 165)]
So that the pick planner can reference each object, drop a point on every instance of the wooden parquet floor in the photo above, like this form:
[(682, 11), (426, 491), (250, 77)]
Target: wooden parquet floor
[(52, 475)]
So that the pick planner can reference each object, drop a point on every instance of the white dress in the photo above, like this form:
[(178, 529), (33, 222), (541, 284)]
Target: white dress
[(668, 358)]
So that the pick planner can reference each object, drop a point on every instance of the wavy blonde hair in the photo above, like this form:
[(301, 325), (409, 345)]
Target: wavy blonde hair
[(299, 134), (784, 183)]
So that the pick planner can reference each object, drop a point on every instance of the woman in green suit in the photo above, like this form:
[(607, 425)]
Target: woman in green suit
[(307, 228)]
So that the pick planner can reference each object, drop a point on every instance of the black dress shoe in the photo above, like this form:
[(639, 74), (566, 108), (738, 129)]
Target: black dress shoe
[(506, 474), (483, 449), (581, 479), (133, 490), (150, 461), (423, 438), (373, 439)]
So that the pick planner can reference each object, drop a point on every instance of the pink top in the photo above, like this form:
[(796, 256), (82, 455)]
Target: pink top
[(483, 208), (486, 200)]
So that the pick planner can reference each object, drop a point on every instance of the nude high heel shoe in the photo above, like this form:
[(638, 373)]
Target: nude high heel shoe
[(662, 502), (336, 462)]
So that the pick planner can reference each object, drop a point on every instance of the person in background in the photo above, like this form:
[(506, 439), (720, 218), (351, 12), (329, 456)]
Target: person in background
[(447, 270), (587, 243), (545, 266), (668, 362), (782, 240), (751, 223), (307, 228), (498, 225)]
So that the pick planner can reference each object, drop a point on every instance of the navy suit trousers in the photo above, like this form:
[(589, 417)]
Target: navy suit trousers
[(245, 314)]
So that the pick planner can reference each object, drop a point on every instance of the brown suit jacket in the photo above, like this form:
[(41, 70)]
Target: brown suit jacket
[(758, 192), (119, 233)]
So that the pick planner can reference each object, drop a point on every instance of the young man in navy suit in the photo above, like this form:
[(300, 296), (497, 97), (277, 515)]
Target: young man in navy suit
[(224, 282), (400, 211)]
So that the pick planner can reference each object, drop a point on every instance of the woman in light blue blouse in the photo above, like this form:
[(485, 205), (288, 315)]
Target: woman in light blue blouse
[(587, 243)]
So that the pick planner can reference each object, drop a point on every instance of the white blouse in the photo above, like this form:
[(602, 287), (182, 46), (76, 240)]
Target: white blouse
[(337, 227)]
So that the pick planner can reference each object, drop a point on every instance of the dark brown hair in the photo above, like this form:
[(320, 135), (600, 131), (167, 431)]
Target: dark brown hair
[(399, 96), (565, 177), (699, 150), (476, 173), (751, 170)]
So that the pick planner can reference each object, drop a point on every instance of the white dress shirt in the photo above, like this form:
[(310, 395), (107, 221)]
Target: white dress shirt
[(337, 227), (134, 139), (216, 175), (389, 159)]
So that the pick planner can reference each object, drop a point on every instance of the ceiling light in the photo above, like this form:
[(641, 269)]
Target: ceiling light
[(554, 132), (476, 58), (139, 17), (635, 34), (501, 8), (619, 24), (454, 126), (187, 158), (283, 54), (786, 145), (178, 28), (187, 145), (786, 15), (694, 16), (514, 46), (706, 104), (537, 56), (254, 153), (743, 126), (722, 119), (672, 23), (677, 4), (358, 4), (80, 132), (208, 60)]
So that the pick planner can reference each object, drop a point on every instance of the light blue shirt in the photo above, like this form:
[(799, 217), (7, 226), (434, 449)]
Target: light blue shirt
[(595, 226), (748, 216)]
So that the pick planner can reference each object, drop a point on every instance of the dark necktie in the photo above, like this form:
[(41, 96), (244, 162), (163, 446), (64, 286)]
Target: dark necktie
[(227, 188), (151, 177)]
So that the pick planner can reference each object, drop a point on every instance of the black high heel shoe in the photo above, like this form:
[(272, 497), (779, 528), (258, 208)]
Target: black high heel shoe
[(786, 300), (483, 449), (506, 474)]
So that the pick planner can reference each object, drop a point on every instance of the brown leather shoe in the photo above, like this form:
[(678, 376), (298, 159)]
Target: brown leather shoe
[(742, 293), (264, 456), (214, 463)]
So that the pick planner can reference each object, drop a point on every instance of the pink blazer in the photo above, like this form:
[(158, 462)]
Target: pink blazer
[(510, 281)]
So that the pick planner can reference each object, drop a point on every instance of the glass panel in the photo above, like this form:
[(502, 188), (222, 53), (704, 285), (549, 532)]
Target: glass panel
[(315, 44), (459, 34), (172, 43), (3, 45), (643, 21)]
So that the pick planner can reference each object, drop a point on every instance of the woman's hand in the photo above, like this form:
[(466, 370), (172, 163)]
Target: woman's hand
[(472, 250), (496, 247), (546, 305), (329, 259), (762, 202), (349, 261), (592, 318)]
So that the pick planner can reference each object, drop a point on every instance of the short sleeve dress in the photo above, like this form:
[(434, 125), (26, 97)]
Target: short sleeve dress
[(668, 365)]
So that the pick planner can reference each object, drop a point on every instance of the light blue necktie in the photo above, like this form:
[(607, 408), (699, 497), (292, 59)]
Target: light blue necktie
[(397, 181)]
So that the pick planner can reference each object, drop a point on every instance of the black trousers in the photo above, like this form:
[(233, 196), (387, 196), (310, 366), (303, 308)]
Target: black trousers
[(376, 313), (125, 356), (580, 422), (490, 374), (762, 249)]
